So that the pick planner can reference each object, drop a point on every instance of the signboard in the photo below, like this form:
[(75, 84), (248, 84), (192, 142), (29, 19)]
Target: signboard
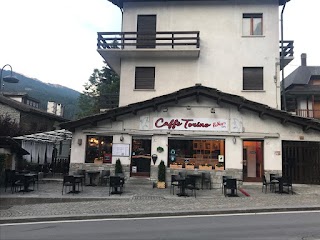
[(121, 149), (191, 124), (134, 169), (221, 158)]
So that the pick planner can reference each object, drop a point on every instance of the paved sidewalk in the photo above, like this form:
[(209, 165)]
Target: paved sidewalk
[(141, 199)]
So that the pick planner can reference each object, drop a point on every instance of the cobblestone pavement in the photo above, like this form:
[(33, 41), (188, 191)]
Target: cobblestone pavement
[(47, 202)]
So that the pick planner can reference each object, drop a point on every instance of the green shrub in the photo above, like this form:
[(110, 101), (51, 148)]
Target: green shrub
[(161, 172), (118, 167)]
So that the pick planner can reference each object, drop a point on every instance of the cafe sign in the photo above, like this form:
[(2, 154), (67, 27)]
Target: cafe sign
[(191, 124)]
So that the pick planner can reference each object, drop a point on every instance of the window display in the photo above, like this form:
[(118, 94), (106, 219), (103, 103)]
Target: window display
[(99, 149)]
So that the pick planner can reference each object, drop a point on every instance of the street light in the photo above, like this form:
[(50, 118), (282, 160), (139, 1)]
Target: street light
[(7, 79)]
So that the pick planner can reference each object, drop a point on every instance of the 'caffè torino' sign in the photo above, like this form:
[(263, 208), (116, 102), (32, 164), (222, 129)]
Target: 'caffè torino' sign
[(192, 124)]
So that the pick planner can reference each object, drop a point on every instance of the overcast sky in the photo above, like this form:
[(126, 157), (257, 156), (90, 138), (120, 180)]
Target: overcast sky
[(55, 40)]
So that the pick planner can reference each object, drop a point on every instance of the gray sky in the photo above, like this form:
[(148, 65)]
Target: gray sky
[(55, 40)]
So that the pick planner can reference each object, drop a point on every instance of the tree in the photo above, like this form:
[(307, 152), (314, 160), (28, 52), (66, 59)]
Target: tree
[(101, 92), (118, 167), (9, 127)]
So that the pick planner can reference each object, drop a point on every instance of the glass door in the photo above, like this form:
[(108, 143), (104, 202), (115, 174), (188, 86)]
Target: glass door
[(252, 160), (140, 157)]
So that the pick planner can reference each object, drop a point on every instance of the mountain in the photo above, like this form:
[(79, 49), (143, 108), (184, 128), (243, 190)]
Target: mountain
[(45, 92)]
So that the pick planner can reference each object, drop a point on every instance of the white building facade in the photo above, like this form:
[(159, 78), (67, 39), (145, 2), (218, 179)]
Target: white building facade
[(199, 87)]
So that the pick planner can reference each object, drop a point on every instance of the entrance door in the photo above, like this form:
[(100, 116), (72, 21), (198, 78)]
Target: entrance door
[(146, 31), (140, 157), (252, 161), (316, 110)]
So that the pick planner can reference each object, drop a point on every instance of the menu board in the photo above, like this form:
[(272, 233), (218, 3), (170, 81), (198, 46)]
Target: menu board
[(121, 149)]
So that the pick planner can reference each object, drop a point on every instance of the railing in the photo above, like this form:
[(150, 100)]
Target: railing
[(287, 49), (308, 113), (110, 40)]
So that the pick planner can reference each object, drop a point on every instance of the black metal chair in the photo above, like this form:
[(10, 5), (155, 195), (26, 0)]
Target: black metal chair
[(116, 185), (287, 183), (231, 184), (105, 177), (17, 182), (206, 180), (8, 178), (82, 172), (265, 184), (190, 184), (174, 182), (68, 182), (224, 182)]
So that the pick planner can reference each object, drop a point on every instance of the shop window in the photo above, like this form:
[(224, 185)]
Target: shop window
[(196, 152), (99, 148)]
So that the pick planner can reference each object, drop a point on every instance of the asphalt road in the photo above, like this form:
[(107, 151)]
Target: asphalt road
[(278, 226)]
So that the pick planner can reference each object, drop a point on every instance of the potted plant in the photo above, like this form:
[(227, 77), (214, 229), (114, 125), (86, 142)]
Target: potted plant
[(219, 167), (118, 167), (161, 175), (189, 166), (175, 165), (160, 149), (205, 166)]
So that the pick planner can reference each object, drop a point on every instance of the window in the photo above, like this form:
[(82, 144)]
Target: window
[(146, 31), (99, 148), (252, 24), (145, 77), (253, 78)]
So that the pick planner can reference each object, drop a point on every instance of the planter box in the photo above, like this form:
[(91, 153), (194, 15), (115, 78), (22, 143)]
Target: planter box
[(218, 168), (174, 166), (190, 167), (161, 185), (205, 167)]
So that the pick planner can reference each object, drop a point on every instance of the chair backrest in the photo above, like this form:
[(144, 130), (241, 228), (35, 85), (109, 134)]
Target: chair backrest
[(272, 176), (190, 181), (224, 178), (183, 174), (68, 179), (105, 173), (231, 183), (206, 176), (174, 178), (18, 178), (264, 180), (115, 181), (81, 172)]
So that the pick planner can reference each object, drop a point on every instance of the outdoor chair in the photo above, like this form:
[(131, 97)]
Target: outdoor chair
[(191, 185), (174, 182), (183, 174), (115, 185), (231, 184), (206, 180), (17, 182), (265, 184), (224, 182), (287, 183), (68, 182), (82, 172), (8, 178), (105, 177)]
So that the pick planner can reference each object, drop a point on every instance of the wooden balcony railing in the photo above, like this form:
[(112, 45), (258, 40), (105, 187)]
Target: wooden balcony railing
[(287, 49), (308, 113), (121, 40)]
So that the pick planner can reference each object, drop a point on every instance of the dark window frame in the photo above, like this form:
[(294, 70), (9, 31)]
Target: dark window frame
[(144, 78), (252, 78)]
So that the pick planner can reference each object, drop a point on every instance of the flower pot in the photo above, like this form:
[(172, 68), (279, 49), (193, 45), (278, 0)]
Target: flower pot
[(175, 166), (190, 167), (205, 167), (161, 185), (221, 168)]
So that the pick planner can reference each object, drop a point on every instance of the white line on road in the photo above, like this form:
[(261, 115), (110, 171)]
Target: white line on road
[(153, 218)]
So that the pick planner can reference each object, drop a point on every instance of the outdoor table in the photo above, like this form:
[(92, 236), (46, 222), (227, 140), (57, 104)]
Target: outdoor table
[(182, 184), (119, 184), (74, 183), (197, 176), (279, 180), (92, 175), (26, 182)]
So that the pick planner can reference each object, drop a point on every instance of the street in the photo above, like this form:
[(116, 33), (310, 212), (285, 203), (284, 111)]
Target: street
[(291, 225)]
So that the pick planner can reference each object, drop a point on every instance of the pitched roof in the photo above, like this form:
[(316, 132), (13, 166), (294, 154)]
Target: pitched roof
[(26, 108), (119, 3), (8, 142), (301, 75), (197, 92)]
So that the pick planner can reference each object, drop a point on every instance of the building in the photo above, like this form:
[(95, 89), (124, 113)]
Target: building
[(55, 108), (199, 86), (23, 98), (302, 90)]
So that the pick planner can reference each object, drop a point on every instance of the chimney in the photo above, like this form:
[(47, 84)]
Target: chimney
[(303, 59)]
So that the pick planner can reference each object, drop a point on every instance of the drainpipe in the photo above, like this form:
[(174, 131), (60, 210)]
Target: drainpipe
[(282, 61)]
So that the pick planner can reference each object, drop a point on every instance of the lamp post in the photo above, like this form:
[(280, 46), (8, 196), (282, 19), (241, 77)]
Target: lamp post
[(7, 79)]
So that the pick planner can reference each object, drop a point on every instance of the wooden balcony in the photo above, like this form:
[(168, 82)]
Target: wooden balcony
[(308, 113), (113, 46), (286, 54)]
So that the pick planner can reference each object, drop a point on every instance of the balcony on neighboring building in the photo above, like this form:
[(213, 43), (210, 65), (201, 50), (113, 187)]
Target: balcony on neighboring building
[(286, 54), (308, 113), (113, 46)]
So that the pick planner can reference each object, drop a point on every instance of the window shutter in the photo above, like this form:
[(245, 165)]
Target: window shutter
[(146, 23), (145, 78), (252, 78)]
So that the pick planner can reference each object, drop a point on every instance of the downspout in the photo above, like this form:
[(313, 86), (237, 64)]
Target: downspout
[(282, 61)]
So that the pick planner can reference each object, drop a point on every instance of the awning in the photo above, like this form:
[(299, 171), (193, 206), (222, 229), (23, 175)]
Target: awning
[(51, 136)]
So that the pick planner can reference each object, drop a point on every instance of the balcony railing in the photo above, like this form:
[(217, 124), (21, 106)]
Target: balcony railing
[(308, 113), (121, 40), (287, 49)]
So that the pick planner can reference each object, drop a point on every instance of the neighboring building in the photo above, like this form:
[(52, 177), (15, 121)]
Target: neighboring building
[(302, 90), (199, 84), (23, 98), (55, 108)]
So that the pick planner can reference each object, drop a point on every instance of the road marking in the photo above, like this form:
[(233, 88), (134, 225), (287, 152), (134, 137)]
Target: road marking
[(154, 218)]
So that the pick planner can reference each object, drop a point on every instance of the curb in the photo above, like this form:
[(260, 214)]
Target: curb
[(156, 214)]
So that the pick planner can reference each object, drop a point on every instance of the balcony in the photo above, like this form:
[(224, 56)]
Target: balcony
[(308, 113), (287, 53), (113, 46)]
